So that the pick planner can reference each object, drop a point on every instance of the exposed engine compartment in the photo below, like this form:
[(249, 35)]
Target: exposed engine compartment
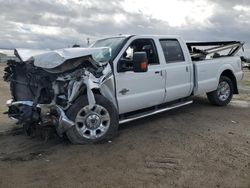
[(29, 82), (42, 96)]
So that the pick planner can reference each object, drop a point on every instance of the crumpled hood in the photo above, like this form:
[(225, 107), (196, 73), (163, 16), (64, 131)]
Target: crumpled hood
[(50, 59)]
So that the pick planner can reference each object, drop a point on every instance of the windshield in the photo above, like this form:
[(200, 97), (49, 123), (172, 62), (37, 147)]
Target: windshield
[(112, 44)]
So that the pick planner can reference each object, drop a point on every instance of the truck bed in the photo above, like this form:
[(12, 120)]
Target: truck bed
[(206, 72)]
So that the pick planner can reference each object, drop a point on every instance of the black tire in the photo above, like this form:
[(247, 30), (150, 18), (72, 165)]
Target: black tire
[(213, 96), (75, 137)]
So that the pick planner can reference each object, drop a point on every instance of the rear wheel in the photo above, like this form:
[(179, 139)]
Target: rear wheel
[(223, 94), (92, 125)]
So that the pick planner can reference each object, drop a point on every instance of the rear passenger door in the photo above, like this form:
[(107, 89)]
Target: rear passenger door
[(178, 70)]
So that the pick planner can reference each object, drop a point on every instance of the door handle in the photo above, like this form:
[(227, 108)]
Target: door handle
[(158, 72), (124, 91), (186, 68)]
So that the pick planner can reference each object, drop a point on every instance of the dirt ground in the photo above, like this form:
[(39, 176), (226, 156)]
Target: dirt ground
[(199, 145)]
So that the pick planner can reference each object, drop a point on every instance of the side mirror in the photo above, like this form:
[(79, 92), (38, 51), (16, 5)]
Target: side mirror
[(140, 62)]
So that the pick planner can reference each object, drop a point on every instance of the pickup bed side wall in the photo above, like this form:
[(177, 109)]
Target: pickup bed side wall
[(208, 72)]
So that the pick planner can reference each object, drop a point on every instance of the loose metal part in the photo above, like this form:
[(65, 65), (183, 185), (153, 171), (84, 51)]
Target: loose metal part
[(234, 47), (64, 122)]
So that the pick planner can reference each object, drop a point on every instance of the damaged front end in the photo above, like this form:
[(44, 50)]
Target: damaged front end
[(46, 83)]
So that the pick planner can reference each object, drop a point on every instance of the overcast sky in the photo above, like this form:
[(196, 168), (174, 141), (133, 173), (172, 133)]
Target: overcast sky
[(60, 23)]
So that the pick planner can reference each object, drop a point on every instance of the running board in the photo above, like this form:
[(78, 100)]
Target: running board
[(139, 116)]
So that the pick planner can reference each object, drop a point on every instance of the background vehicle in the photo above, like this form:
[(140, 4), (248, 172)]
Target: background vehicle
[(87, 92), (245, 62)]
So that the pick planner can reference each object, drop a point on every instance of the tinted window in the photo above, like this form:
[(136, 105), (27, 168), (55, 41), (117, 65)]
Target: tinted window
[(172, 50)]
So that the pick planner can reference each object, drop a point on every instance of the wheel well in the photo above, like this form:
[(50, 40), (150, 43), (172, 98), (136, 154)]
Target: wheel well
[(97, 91), (229, 74)]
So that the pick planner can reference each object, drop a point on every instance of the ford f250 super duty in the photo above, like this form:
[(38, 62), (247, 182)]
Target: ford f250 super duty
[(85, 93)]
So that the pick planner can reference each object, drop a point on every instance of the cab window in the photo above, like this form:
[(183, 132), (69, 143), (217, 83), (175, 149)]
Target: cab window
[(142, 45), (172, 50)]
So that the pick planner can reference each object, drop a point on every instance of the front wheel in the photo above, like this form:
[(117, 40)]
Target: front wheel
[(92, 125), (223, 94)]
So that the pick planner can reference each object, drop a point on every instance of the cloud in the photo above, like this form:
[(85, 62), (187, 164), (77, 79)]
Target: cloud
[(175, 13), (60, 23)]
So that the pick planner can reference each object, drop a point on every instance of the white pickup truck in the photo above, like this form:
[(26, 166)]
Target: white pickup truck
[(85, 93)]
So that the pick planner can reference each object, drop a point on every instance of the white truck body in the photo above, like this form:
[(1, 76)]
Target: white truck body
[(87, 92), (175, 81)]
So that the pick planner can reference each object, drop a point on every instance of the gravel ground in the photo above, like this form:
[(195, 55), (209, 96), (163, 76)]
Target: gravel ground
[(195, 146)]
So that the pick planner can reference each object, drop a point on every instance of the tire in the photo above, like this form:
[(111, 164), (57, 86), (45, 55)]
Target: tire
[(223, 94), (90, 126)]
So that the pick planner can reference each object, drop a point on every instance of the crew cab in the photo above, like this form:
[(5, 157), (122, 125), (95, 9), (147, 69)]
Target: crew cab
[(85, 93)]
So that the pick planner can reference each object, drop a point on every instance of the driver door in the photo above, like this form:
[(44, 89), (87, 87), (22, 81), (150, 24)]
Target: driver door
[(136, 91)]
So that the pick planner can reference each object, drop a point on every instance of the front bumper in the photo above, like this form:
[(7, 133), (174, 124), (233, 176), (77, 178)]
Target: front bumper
[(62, 123)]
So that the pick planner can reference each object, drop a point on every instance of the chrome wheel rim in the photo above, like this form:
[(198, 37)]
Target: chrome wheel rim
[(92, 123), (223, 91)]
